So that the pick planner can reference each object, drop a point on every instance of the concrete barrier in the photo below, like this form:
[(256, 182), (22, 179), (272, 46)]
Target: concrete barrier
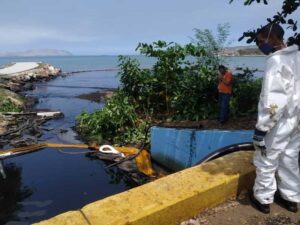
[(178, 148), (171, 199)]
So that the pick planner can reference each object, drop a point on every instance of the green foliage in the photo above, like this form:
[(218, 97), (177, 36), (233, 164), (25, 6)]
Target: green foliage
[(117, 122), (213, 44), (172, 67), (246, 92), (6, 105), (181, 85), (195, 96), (281, 17)]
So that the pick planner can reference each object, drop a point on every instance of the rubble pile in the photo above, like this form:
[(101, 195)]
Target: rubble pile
[(18, 124)]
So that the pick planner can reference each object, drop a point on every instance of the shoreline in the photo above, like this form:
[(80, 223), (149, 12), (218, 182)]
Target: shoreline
[(19, 123), (22, 126)]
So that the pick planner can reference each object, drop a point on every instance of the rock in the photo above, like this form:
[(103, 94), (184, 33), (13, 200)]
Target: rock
[(3, 125), (22, 128), (14, 86), (193, 222), (43, 70), (2, 85), (23, 142), (28, 86), (30, 101), (13, 97)]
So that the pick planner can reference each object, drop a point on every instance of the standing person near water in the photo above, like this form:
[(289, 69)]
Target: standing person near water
[(277, 135), (225, 89)]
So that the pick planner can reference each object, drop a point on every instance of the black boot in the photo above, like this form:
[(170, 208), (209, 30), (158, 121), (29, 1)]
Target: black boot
[(264, 208), (290, 206)]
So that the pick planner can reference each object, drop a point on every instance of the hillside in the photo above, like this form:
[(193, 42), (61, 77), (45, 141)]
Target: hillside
[(31, 53), (251, 50)]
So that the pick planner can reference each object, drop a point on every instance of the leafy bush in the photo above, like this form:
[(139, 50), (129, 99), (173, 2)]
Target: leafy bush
[(162, 90), (246, 90), (196, 95), (182, 85)]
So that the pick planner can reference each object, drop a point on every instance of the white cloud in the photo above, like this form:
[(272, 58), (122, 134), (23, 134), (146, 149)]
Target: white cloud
[(105, 26)]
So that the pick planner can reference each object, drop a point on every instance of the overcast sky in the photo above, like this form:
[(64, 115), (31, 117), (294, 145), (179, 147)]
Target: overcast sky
[(116, 26)]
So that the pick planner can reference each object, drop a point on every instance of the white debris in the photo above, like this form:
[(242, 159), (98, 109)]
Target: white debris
[(18, 67), (50, 114)]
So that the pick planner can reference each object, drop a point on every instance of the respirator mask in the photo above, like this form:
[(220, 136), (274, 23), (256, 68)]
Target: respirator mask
[(267, 48)]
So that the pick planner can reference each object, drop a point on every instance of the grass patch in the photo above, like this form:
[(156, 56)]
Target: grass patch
[(7, 105)]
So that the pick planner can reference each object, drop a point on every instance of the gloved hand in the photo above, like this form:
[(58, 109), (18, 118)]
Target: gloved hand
[(258, 141)]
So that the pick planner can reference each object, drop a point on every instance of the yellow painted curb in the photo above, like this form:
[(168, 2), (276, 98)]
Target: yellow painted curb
[(68, 218), (174, 198)]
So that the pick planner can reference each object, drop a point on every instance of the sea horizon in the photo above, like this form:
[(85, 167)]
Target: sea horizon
[(102, 62)]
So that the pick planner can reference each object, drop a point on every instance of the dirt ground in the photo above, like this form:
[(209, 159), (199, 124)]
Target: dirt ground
[(241, 212), (244, 123)]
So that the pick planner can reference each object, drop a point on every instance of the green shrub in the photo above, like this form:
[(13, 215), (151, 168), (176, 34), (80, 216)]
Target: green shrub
[(246, 90), (117, 122), (181, 85), (196, 94), (6, 105)]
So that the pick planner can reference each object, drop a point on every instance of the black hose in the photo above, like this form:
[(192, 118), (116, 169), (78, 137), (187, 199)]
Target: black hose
[(245, 146), (130, 157)]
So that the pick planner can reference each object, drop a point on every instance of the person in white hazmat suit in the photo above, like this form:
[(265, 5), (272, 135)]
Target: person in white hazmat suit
[(277, 135)]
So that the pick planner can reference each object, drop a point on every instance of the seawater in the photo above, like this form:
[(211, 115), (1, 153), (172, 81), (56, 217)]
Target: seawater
[(51, 181), (43, 184), (79, 63)]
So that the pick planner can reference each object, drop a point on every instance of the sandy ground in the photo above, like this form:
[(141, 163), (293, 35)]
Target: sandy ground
[(241, 212), (18, 67)]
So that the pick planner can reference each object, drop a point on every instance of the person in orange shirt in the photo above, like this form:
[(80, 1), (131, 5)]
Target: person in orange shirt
[(225, 89)]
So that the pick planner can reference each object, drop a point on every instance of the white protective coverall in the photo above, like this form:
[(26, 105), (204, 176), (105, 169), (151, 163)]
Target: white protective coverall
[(279, 116)]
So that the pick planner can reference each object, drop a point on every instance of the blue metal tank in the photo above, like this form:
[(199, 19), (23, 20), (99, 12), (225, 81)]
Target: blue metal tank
[(178, 148)]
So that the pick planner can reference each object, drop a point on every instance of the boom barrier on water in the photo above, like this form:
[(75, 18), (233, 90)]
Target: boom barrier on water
[(119, 154)]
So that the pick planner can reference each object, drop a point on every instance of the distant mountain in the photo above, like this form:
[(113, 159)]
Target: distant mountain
[(251, 50), (42, 52)]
